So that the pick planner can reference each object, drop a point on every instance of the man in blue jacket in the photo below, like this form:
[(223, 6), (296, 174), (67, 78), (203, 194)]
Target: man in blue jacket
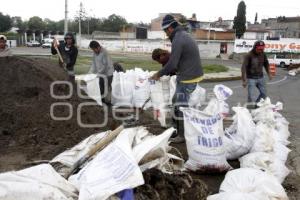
[(185, 60)]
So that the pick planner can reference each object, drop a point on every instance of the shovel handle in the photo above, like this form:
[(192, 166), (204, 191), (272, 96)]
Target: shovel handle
[(58, 52)]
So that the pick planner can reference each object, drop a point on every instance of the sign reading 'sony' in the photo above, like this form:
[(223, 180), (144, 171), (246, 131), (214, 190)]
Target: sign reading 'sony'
[(283, 45)]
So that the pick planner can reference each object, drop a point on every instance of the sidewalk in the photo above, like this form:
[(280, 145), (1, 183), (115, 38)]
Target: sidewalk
[(232, 74)]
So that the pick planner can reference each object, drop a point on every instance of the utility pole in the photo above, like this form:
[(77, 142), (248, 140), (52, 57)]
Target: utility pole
[(80, 14), (79, 24), (66, 17)]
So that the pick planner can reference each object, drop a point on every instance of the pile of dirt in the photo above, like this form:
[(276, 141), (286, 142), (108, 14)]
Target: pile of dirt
[(159, 185), (27, 130)]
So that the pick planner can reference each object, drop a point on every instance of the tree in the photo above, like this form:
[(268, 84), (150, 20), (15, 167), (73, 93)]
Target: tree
[(36, 23), (5, 22), (50, 25), (255, 20), (113, 23), (239, 22)]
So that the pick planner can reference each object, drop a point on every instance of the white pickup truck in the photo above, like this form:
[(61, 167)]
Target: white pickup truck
[(284, 59)]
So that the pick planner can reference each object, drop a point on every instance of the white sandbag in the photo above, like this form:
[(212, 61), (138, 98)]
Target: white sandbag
[(267, 162), (281, 151), (238, 196), (218, 104), (264, 139), (160, 98), (122, 88), (161, 113), (165, 84), (36, 183), (112, 170), (265, 112), (204, 140), (154, 147), (253, 181), (92, 87), (239, 137), (222, 92), (282, 129), (198, 97), (73, 155), (141, 90), (172, 87)]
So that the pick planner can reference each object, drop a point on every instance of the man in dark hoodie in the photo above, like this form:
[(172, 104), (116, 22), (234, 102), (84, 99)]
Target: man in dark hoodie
[(69, 53), (252, 72), (185, 60)]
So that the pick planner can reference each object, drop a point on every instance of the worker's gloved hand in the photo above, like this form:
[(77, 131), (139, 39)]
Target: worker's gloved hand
[(155, 76)]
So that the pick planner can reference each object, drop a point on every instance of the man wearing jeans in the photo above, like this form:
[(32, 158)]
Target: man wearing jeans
[(252, 73), (102, 65), (185, 60)]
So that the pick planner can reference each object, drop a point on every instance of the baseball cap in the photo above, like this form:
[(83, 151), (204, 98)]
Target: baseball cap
[(3, 37)]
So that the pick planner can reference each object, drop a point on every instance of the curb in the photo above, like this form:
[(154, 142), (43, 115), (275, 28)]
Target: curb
[(217, 79)]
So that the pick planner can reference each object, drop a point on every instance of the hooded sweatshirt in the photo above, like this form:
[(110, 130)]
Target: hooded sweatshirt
[(5, 52), (184, 58)]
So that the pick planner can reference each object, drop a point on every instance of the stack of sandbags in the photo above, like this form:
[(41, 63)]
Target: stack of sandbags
[(263, 169), (269, 151)]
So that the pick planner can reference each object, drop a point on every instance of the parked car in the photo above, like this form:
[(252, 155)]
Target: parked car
[(47, 45), (284, 59), (33, 43)]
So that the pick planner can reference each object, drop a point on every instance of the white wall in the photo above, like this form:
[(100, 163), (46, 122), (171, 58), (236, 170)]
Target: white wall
[(207, 50), (13, 43), (156, 35)]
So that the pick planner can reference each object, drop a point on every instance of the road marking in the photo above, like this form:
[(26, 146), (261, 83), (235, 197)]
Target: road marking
[(271, 83), (275, 82)]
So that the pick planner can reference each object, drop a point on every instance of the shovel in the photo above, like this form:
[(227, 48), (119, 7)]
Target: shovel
[(66, 171), (59, 55)]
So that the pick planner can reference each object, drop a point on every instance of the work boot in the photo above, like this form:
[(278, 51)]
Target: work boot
[(179, 138)]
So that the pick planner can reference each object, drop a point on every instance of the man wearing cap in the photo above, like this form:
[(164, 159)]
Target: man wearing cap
[(4, 50), (69, 53), (185, 60), (252, 73)]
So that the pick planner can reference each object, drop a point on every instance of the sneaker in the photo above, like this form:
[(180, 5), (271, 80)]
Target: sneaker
[(178, 139)]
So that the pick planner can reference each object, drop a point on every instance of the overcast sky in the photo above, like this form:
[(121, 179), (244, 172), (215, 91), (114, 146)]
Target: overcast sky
[(139, 10)]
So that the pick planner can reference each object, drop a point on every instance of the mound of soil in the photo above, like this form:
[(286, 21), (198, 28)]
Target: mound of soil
[(27, 130), (159, 185)]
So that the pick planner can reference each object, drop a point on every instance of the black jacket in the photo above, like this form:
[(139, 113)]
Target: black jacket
[(253, 65), (69, 55)]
